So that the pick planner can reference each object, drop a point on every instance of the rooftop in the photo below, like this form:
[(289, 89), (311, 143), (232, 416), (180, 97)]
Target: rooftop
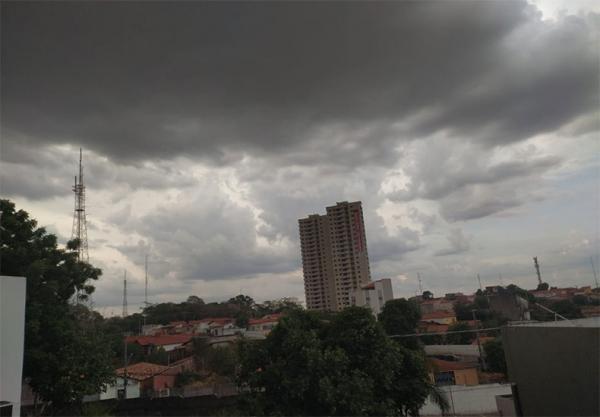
[(587, 322), (167, 339), (141, 370)]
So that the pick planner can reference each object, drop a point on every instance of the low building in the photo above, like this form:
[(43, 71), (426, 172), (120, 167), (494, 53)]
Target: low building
[(439, 317), (168, 342), (509, 305), (373, 295), (12, 333), (265, 324), (444, 372), (554, 367), (436, 304)]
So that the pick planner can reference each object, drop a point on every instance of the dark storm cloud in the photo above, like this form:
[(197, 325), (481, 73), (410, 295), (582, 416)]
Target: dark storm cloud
[(217, 79)]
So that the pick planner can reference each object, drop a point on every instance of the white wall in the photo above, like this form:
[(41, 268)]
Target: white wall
[(133, 389), (468, 400), (12, 333)]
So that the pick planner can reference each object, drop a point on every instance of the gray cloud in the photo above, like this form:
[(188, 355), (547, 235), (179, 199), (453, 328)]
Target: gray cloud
[(458, 243), (214, 80)]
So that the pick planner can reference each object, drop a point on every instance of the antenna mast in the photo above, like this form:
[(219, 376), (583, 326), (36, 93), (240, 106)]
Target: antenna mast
[(125, 294), (420, 284), (146, 281), (537, 269), (594, 270), (79, 232), (479, 280)]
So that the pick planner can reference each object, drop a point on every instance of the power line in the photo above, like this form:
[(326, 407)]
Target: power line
[(443, 333)]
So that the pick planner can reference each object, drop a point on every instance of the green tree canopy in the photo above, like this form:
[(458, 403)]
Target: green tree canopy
[(344, 367), (65, 357), (494, 356), (460, 338), (401, 316)]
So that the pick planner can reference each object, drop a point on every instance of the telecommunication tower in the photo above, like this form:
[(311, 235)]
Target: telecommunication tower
[(79, 220), (537, 269)]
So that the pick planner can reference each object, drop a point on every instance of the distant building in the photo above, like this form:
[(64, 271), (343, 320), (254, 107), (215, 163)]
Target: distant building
[(439, 317), (509, 305), (554, 367), (444, 372), (373, 295), (436, 304), (265, 324), (334, 256)]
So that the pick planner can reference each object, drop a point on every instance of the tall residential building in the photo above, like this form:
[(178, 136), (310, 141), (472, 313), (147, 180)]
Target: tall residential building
[(334, 256)]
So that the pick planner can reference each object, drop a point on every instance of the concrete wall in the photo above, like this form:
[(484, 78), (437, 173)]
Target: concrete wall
[(555, 367), (471, 400), (12, 336)]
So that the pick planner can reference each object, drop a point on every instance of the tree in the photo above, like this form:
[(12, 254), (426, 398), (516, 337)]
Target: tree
[(427, 295), (65, 357), (567, 309), (344, 367), (494, 355), (244, 301), (194, 299), (460, 338), (543, 286), (242, 319), (401, 316)]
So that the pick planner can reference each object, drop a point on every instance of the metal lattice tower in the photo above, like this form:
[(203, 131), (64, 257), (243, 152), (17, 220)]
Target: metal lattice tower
[(79, 232), (125, 295), (537, 269)]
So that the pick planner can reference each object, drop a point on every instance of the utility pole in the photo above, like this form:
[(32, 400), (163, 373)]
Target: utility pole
[(478, 341), (537, 270)]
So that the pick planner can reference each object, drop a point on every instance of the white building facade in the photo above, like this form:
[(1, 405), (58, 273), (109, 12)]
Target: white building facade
[(373, 295)]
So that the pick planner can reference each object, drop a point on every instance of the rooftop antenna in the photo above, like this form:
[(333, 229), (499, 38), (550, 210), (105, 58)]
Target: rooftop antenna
[(125, 294), (420, 283), (537, 269), (79, 232), (479, 280), (594, 270)]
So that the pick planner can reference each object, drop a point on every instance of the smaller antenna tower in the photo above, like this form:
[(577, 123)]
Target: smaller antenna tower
[(594, 270), (479, 280), (537, 269), (420, 283), (125, 294)]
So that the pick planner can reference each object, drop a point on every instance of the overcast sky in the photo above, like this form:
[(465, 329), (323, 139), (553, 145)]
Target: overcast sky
[(469, 130)]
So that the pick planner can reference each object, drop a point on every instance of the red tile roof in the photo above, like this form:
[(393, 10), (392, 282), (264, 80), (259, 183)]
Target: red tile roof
[(142, 370), (434, 328), (437, 315), (167, 339), (440, 365)]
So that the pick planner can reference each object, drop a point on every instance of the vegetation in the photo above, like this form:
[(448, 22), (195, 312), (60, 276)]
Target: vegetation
[(494, 354), (400, 317), (460, 338), (344, 367), (65, 357)]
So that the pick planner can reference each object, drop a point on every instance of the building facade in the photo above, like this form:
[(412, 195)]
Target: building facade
[(373, 295), (335, 260)]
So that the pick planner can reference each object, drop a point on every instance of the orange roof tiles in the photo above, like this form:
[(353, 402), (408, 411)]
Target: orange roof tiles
[(141, 370), (444, 366), (437, 315)]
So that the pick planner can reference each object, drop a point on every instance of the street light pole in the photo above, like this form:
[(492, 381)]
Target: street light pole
[(478, 341)]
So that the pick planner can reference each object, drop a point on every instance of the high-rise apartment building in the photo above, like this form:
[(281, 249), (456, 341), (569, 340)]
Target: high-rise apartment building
[(335, 260)]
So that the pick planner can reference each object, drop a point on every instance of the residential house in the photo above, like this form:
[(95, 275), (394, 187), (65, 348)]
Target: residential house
[(439, 317), (265, 324), (445, 372), (436, 304), (168, 342)]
